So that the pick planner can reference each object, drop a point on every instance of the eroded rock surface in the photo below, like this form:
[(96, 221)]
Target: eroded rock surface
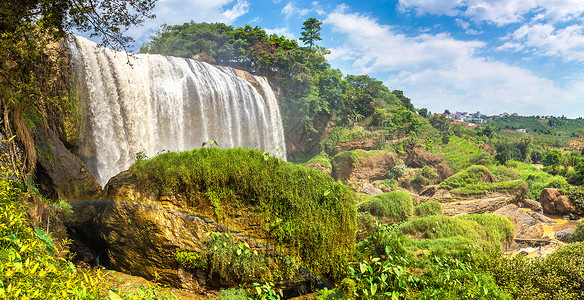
[(554, 201)]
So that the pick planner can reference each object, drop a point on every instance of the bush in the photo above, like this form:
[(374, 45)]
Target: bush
[(233, 294), (306, 212), (396, 172), (396, 206), (429, 208), (578, 235)]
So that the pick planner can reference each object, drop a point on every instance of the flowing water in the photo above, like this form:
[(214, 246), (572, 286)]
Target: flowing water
[(152, 103)]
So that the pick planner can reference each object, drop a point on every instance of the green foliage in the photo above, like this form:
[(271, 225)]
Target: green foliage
[(311, 32), (469, 176), (558, 276), (428, 208), (461, 153), (396, 206), (233, 294), (397, 171), (265, 291), (536, 179), (189, 259), (342, 135), (305, 211), (483, 188), (488, 234), (578, 235), (231, 261), (377, 279), (576, 195), (398, 121), (28, 264)]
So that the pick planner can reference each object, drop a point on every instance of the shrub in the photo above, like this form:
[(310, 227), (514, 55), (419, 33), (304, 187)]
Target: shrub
[(233, 294), (306, 212), (576, 195), (578, 235), (429, 208), (396, 206), (396, 172)]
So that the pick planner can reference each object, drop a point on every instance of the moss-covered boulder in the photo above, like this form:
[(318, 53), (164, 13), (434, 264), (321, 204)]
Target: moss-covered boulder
[(291, 215), (360, 165), (395, 206)]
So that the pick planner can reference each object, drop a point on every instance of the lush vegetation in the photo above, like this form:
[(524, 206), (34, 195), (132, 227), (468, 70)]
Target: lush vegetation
[(305, 211), (395, 206)]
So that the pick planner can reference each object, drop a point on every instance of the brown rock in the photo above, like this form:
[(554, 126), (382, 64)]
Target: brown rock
[(369, 189), (63, 173), (525, 218), (531, 204), (554, 201), (360, 165), (485, 204)]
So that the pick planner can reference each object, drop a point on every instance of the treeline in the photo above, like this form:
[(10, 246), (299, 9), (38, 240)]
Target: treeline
[(311, 87)]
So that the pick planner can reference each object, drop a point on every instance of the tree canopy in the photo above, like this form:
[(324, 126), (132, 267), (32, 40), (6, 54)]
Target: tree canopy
[(311, 32)]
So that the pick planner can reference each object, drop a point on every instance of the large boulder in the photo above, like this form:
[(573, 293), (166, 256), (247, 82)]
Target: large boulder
[(360, 165), (60, 173), (555, 202), (150, 213)]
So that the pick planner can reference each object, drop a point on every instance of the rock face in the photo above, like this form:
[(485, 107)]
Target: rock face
[(368, 189), (360, 165), (418, 158), (555, 202), (64, 174)]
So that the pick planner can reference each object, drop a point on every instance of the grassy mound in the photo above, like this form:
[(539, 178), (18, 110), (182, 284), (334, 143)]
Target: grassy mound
[(477, 180), (536, 179), (303, 211), (487, 231), (396, 206), (429, 208)]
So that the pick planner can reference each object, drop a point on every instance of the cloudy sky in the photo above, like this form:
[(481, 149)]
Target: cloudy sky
[(493, 56)]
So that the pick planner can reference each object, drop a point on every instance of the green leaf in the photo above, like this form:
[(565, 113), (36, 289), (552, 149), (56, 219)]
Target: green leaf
[(113, 296), (363, 268), (373, 289), (45, 238)]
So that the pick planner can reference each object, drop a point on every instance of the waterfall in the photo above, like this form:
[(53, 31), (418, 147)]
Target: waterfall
[(151, 103)]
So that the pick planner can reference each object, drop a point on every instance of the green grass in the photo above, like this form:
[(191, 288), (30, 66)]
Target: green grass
[(461, 153), (304, 211), (536, 179), (429, 208), (469, 176), (487, 231), (396, 206), (321, 159), (343, 135)]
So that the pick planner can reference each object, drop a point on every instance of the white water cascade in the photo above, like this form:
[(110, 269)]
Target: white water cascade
[(156, 103)]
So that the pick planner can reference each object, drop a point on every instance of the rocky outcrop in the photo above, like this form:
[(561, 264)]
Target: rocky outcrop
[(418, 158), (554, 201), (367, 143), (485, 204), (528, 224), (62, 174), (360, 165)]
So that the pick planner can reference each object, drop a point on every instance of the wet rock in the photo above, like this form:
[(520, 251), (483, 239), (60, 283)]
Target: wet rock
[(526, 218), (531, 204), (65, 174), (564, 233), (554, 201)]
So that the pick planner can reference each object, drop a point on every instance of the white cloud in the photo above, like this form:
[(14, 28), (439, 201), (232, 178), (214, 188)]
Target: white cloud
[(173, 12), (291, 10), (566, 43), (239, 9), (280, 31), (499, 12), (438, 71)]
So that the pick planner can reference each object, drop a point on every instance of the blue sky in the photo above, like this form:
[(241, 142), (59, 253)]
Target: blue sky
[(493, 56)]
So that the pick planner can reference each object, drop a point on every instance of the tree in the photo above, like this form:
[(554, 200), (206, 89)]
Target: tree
[(311, 32)]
